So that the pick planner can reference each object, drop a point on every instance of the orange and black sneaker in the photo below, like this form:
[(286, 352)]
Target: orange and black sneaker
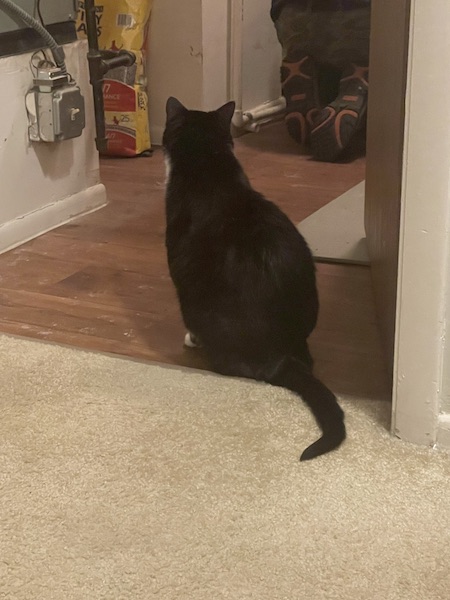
[(335, 125), (299, 87)]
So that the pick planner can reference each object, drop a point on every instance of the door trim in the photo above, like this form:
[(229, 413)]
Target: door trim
[(423, 269)]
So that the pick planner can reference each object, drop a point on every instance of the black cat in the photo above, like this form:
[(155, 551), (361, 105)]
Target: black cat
[(244, 275)]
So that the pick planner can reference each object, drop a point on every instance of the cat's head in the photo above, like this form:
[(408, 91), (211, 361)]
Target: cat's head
[(193, 132)]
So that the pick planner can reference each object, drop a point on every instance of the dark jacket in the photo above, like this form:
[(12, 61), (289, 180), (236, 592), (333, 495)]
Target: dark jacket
[(325, 5)]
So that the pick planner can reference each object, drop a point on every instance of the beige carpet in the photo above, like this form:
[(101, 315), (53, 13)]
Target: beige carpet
[(120, 480)]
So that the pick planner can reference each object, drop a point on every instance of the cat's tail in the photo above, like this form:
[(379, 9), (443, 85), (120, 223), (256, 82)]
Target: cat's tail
[(297, 377)]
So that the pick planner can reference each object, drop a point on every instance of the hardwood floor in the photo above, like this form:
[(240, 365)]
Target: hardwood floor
[(102, 282)]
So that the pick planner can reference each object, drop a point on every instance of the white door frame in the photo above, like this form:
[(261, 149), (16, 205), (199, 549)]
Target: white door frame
[(421, 377), (249, 117)]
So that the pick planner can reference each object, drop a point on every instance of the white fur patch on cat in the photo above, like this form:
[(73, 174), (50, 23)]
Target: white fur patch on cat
[(168, 167), (189, 342)]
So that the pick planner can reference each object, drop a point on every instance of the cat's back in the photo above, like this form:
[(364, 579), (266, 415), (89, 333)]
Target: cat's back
[(211, 208)]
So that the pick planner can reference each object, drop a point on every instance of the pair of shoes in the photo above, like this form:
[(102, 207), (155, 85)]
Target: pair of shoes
[(299, 87), (336, 124), (329, 130)]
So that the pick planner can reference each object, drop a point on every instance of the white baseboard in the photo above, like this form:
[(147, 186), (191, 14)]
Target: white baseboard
[(29, 226), (443, 433)]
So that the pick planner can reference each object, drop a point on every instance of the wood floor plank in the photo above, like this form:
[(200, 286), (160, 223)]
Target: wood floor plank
[(114, 287), (102, 283), (72, 250), (116, 329)]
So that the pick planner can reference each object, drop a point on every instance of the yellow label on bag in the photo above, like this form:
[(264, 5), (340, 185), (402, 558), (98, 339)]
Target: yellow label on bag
[(121, 24)]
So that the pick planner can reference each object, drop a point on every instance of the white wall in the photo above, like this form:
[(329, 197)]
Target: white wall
[(189, 56), (215, 36), (175, 59), (43, 185), (261, 55)]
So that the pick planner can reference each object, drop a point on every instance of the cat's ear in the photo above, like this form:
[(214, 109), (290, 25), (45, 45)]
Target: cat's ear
[(174, 108), (226, 111)]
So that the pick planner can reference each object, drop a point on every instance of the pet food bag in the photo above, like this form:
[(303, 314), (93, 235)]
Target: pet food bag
[(123, 24)]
